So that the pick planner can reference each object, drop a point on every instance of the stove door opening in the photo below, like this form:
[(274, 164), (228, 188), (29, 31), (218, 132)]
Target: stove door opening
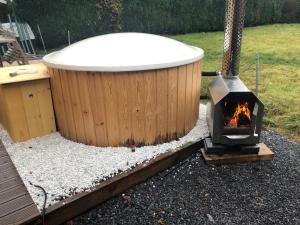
[(237, 116)]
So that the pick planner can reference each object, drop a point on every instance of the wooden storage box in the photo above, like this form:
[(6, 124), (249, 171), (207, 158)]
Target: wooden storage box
[(26, 109)]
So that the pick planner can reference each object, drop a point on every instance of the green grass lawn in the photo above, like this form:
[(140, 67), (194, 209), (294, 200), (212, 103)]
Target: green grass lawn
[(279, 48)]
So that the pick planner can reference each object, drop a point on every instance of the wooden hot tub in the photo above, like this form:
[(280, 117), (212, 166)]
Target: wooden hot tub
[(125, 88)]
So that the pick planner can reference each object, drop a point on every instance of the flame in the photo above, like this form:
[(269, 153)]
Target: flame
[(241, 109)]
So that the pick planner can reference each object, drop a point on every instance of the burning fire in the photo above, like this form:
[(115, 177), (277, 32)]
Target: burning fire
[(242, 110)]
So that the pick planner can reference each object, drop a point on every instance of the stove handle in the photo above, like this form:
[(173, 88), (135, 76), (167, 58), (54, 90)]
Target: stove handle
[(253, 124)]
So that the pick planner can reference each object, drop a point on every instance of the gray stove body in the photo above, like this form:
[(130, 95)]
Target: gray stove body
[(224, 90)]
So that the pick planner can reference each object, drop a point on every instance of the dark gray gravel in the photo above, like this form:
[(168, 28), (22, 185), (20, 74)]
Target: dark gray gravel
[(197, 193)]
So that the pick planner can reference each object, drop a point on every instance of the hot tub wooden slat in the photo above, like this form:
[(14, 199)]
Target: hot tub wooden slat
[(98, 108), (194, 94), (58, 101), (113, 109), (188, 98), (150, 106), (68, 105), (86, 110), (199, 85), (172, 102), (181, 100), (62, 104), (138, 114), (111, 104), (46, 109), (124, 107), (197, 73), (162, 104), (76, 107)]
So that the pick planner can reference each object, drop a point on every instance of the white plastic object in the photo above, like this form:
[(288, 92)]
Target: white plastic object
[(23, 71)]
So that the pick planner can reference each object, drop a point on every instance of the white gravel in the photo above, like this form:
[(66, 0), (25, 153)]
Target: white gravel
[(63, 167)]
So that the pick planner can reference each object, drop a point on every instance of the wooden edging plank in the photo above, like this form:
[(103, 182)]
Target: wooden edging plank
[(79, 203)]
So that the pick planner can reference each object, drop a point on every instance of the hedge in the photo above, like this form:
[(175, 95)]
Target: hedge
[(93, 17), (177, 16), (291, 11)]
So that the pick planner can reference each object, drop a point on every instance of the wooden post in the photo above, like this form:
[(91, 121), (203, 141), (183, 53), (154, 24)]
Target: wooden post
[(257, 74), (28, 37), (42, 39), (69, 38)]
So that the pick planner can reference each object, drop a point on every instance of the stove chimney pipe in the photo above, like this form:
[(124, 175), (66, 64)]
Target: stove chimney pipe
[(234, 23)]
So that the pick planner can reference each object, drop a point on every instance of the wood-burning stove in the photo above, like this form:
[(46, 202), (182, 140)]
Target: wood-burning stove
[(234, 113)]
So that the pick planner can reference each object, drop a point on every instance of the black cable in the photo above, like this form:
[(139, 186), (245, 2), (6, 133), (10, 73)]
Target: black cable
[(45, 201), (175, 168), (180, 165), (204, 97)]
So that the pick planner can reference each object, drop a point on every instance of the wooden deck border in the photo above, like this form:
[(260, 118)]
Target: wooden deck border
[(16, 204), (264, 154), (81, 202)]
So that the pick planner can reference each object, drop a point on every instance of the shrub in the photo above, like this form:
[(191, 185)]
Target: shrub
[(172, 16), (108, 15)]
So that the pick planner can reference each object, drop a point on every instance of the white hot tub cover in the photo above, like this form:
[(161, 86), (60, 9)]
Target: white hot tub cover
[(124, 52)]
